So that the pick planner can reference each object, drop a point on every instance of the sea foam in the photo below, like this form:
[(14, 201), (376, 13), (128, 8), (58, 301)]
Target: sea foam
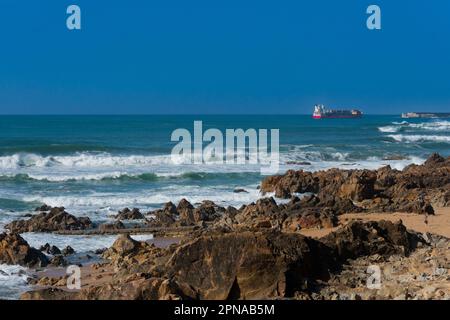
[(438, 126), (419, 138), (13, 281)]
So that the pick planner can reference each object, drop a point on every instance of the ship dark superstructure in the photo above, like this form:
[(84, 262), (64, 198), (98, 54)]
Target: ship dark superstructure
[(320, 112)]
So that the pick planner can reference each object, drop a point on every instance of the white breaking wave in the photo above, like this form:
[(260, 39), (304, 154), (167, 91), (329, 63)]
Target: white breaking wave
[(78, 176), (194, 194), (96, 167), (439, 126), (85, 166), (419, 138), (85, 161), (298, 153), (432, 126), (372, 163), (341, 156), (13, 281), (402, 122), (167, 172), (82, 160), (389, 129)]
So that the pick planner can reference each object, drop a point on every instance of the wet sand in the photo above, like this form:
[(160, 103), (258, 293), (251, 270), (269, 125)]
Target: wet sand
[(437, 224)]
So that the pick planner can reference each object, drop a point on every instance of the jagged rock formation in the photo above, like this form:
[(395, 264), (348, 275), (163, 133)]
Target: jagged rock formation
[(54, 220), (15, 250), (413, 189), (185, 214), (127, 214)]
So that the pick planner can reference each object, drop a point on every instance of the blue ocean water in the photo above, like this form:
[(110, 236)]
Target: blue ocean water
[(96, 165)]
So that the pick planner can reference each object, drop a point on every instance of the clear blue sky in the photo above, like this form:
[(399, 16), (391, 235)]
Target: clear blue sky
[(223, 56)]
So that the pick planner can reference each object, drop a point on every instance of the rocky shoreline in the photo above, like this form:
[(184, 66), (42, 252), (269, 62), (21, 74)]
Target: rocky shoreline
[(258, 251)]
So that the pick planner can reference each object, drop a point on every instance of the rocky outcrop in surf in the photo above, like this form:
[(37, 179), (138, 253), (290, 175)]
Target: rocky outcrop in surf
[(127, 214), (129, 253), (14, 250), (265, 213), (55, 220), (413, 189), (184, 214)]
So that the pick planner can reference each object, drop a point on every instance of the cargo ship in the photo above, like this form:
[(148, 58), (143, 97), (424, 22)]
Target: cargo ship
[(320, 112)]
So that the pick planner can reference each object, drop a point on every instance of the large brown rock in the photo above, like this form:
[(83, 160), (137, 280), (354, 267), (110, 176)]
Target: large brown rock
[(249, 265), (291, 182), (359, 186), (15, 250), (362, 239), (127, 252), (265, 213), (55, 220)]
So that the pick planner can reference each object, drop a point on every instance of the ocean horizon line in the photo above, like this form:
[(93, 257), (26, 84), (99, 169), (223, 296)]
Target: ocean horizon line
[(182, 114)]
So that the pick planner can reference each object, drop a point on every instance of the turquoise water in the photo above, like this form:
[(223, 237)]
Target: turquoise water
[(95, 165)]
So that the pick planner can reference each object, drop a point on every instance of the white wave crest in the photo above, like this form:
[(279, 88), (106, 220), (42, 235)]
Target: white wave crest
[(83, 160), (432, 126), (13, 281), (389, 129), (402, 122), (419, 138), (297, 153), (440, 126), (81, 176), (221, 195)]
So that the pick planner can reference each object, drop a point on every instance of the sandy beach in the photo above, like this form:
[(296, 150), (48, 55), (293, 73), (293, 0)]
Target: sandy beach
[(437, 224)]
